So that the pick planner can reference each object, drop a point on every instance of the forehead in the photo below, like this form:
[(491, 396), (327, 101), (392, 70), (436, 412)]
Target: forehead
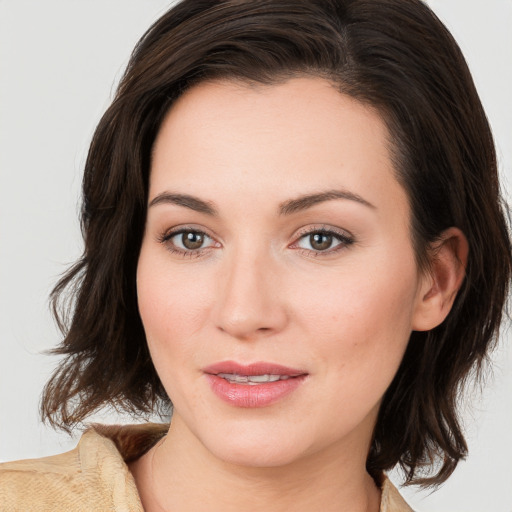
[(272, 142), (306, 109)]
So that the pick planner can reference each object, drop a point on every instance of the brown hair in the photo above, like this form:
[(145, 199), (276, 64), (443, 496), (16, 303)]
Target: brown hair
[(392, 54)]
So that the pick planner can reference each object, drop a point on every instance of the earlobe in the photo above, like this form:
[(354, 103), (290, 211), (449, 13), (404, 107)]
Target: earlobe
[(441, 283)]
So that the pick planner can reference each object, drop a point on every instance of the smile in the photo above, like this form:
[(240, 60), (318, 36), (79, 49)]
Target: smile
[(254, 385), (252, 379)]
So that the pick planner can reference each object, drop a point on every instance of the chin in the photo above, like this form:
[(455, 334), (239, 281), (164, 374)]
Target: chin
[(257, 450)]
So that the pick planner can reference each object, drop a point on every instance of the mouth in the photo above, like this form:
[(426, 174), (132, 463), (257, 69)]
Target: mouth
[(254, 385), (252, 380), (255, 373)]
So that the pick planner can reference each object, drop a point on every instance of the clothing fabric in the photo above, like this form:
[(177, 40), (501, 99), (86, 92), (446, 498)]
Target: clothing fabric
[(95, 477)]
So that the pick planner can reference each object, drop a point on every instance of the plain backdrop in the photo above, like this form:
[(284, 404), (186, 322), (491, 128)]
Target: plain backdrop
[(59, 63)]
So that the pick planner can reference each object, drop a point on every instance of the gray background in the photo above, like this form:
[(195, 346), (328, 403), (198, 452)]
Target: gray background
[(59, 63)]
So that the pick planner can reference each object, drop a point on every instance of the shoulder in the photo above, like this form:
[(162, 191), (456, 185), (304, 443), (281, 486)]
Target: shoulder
[(391, 500), (28, 484), (93, 476)]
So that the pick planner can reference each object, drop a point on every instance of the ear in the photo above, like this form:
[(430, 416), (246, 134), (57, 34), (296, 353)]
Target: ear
[(441, 282)]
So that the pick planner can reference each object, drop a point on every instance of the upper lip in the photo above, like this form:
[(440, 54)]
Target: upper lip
[(258, 368)]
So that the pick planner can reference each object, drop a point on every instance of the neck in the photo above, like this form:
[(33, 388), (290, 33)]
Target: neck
[(179, 473)]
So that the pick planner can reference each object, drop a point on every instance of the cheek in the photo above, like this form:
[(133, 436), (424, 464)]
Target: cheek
[(172, 309), (358, 334), (173, 306), (169, 301), (361, 318), (169, 309)]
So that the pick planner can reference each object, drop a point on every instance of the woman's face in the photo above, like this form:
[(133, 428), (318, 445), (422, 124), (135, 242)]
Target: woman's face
[(277, 249)]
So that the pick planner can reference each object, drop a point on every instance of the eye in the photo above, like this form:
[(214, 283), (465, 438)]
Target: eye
[(323, 241), (187, 241), (190, 240)]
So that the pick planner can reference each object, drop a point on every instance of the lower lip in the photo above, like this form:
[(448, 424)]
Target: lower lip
[(258, 395)]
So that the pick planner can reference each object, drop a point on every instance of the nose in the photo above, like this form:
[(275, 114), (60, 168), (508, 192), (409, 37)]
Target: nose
[(250, 302)]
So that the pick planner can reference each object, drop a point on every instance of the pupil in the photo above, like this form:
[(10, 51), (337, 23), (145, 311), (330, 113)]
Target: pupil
[(192, 240), (320, 241)]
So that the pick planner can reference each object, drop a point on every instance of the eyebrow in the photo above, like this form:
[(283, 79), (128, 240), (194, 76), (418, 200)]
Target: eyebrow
[(309, 200), (287, 208), (191, 202)]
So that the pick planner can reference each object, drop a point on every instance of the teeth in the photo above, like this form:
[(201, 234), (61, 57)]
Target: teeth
[(263, 378), (251, 379)]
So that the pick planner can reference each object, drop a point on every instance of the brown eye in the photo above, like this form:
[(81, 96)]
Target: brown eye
[(320, 241), (188, 241), (192, 240), (324, 241)]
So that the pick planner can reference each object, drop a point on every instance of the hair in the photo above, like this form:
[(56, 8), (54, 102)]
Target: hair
[(393, 55)]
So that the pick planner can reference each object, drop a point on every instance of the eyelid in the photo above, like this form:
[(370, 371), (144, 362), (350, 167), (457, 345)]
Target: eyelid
[(323, 228), (345, 237), (165, 237), (180, 228)]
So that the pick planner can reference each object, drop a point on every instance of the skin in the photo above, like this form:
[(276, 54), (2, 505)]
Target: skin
[(258, 290)]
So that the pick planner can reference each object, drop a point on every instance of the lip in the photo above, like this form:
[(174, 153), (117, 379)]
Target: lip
[(257, 395), (258, 368)]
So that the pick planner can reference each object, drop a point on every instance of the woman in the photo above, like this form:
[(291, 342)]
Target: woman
[(287, 215)]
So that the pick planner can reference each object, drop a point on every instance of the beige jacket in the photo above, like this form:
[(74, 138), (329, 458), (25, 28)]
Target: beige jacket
[(95, 477)]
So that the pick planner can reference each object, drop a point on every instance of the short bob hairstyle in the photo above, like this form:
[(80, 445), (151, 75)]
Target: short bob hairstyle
[(393, 55)]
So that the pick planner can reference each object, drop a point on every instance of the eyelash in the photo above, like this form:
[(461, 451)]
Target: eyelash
[(344, 238), (190, 253)]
